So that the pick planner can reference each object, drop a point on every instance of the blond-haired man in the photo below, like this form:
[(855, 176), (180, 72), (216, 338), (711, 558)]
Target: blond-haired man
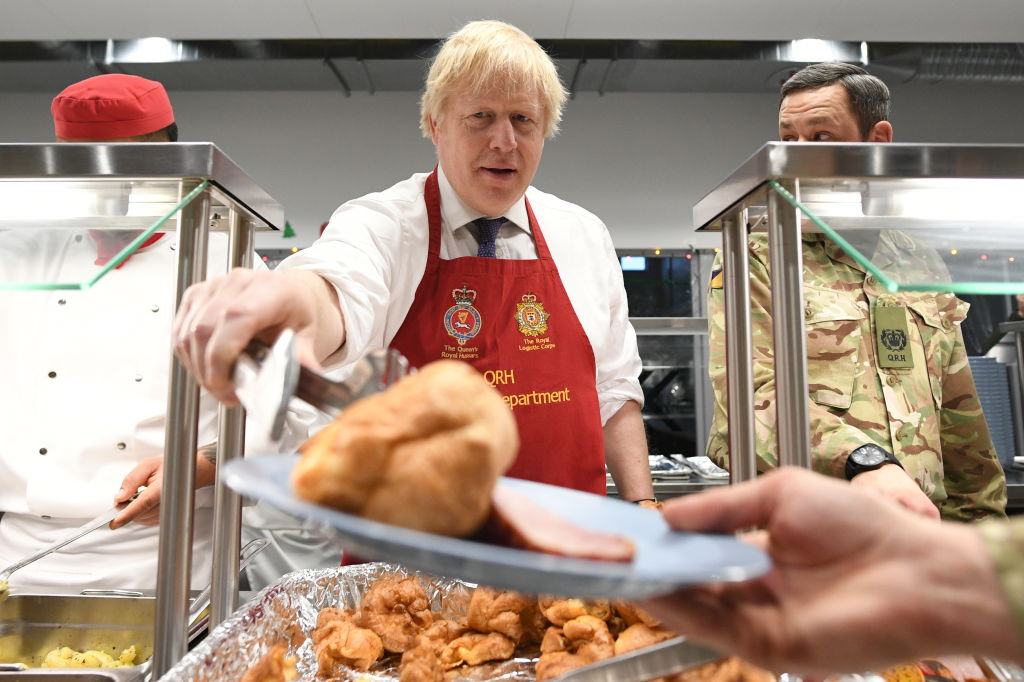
[(467, 262)]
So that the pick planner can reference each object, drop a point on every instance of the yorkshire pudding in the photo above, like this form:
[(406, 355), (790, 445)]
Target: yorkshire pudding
[(424, 454)]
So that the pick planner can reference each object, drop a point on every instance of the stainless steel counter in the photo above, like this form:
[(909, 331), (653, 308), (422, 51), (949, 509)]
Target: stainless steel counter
[(666, 489), (1015, 492)]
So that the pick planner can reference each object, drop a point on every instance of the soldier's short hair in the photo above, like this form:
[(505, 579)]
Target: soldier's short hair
[(869, 96)]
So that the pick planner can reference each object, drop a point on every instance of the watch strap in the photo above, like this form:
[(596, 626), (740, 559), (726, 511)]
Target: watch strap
[(853, 468)]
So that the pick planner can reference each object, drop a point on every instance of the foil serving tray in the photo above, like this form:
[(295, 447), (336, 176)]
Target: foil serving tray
[(286, 611)]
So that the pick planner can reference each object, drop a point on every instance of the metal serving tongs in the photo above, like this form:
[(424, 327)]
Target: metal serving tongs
[(267, 377), (664, 658), (100, 521)]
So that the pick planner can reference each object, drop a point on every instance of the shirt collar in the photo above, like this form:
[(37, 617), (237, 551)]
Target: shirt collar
[(456, 214)]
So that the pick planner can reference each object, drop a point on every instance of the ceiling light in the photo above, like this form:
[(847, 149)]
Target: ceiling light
[(145, 51), (813, 50)]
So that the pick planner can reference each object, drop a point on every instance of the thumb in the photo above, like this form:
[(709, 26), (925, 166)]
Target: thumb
[(147, 500), (138, 477)]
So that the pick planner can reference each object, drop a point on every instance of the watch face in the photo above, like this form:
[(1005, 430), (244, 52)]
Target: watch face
[(869, 456)]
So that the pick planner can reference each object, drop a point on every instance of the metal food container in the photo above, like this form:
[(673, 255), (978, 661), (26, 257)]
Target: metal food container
[(286, 611), (33, 624)]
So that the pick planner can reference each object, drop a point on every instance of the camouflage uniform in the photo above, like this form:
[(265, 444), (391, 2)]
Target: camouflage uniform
[(928, 416), (1005, 542)]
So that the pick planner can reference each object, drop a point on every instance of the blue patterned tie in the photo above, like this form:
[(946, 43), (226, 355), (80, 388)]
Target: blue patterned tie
[(488, 230)]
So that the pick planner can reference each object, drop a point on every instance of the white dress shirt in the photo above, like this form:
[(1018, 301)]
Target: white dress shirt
[(374, 252)]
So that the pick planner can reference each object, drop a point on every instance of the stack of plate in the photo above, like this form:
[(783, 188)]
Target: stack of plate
[(667, 467), (992, 379), (707, 469)]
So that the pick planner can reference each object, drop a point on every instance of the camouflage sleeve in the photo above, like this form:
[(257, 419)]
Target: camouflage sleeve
[(1005, 543), (974, 478), (832, 438), (718, 438)]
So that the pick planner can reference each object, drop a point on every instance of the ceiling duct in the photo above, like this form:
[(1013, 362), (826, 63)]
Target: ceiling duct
[(963, 62), (973, 62), (380, 65)]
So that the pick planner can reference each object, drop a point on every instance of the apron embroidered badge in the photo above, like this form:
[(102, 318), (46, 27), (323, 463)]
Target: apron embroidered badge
[(462, 320), (531, 316)]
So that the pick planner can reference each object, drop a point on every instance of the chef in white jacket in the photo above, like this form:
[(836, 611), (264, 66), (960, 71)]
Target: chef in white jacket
[(84, 395)]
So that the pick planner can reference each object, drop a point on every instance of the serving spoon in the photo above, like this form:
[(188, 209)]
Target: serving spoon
[(103, 519)]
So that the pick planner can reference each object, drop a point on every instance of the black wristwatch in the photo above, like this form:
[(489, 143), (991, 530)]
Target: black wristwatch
[(868, 458)]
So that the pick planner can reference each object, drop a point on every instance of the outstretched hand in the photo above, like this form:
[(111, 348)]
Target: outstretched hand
[(857, 582), (219, 317)]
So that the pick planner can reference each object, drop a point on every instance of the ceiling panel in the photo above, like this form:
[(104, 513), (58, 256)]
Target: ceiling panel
[(433, 18), (182, 19), (33, 19), (993, 21)]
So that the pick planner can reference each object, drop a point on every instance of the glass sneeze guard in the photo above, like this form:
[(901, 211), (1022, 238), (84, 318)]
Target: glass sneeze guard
[(919, 217), (119, 217), (935, 234), (114, 198)]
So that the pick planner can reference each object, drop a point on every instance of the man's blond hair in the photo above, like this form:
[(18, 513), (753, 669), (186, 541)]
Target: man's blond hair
[(484, 56)]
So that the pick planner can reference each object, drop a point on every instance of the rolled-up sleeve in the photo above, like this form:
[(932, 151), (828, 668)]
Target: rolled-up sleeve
[(365, 253), (618, 363)]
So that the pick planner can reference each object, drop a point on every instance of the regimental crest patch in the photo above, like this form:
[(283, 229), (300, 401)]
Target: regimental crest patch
[(462, 320), (531, 316), (894, 339)]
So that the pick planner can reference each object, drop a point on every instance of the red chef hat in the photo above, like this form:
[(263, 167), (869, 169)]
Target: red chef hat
[(111, 106)]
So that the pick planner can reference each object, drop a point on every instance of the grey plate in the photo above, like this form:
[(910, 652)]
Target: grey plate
[(664, 560)]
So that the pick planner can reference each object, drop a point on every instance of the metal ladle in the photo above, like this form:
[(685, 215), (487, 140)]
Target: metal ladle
[(100, 521)]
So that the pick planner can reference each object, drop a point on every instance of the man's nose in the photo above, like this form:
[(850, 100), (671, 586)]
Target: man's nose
[(503, 136)]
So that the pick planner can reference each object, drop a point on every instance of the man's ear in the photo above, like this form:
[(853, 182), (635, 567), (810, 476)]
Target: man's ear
[(881, 132), (433, 130)]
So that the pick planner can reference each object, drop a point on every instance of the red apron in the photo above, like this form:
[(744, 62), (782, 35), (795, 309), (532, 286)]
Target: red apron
[(512, 320)]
